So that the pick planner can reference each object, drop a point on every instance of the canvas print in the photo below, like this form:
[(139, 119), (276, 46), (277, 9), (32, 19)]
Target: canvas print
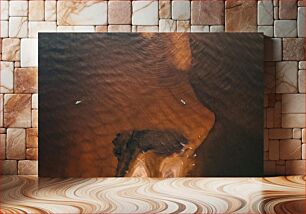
[(150, 104)]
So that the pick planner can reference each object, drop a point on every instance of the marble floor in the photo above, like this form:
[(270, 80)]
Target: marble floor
[(142, 195)]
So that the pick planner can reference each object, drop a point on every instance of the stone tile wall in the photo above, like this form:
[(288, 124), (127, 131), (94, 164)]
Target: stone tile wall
[(282, 20)]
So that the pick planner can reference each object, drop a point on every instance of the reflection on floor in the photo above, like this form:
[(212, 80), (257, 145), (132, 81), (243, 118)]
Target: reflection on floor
[(139, 195)]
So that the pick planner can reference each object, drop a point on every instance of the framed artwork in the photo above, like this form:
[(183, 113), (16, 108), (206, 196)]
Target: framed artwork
[(150, 104)]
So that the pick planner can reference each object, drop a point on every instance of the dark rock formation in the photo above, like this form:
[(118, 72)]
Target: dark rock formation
[(129, 144)]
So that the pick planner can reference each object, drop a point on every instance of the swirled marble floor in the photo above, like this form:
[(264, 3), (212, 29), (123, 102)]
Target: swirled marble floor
[(139, 195)]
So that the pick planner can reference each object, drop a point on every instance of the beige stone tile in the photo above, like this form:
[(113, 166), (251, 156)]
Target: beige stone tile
[(266, 30), (273, 49), (8, 167), (286, 77), (183, 26), (280, 133), (199, 28), (11, 49), (273, 150), (29, 52), (164, 9), (304, 135), (119, 28), (293, 49), (207, 12), (285, 28), (91, 12), (75, 29), (290, 149), (301, 22), (4, 10), (302, 65), (32, 154), (269, 168), (34, 118), (4, 29), (295, 167), (17, 110), (240, 16), (275, 3), (50, 10), (2, 130), (26, 80), (301, 3), (17, 64), (119, 12), (301, 81), (297, 133), (32, 138), (147, 28), (18, 27), (167, 25), (293, 121), (37, 26), (303, 151), (180, 10), (27, 167), (101, 28), (265, 12), (216, 28), (2, 146), (293, 103), (18, 8), (34, 101), (15, 144), (145, 13), (287, 9), (6, 77), (36, 10)]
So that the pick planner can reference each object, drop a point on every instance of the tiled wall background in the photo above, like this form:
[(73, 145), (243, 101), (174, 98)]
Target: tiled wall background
[(283, 20)]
